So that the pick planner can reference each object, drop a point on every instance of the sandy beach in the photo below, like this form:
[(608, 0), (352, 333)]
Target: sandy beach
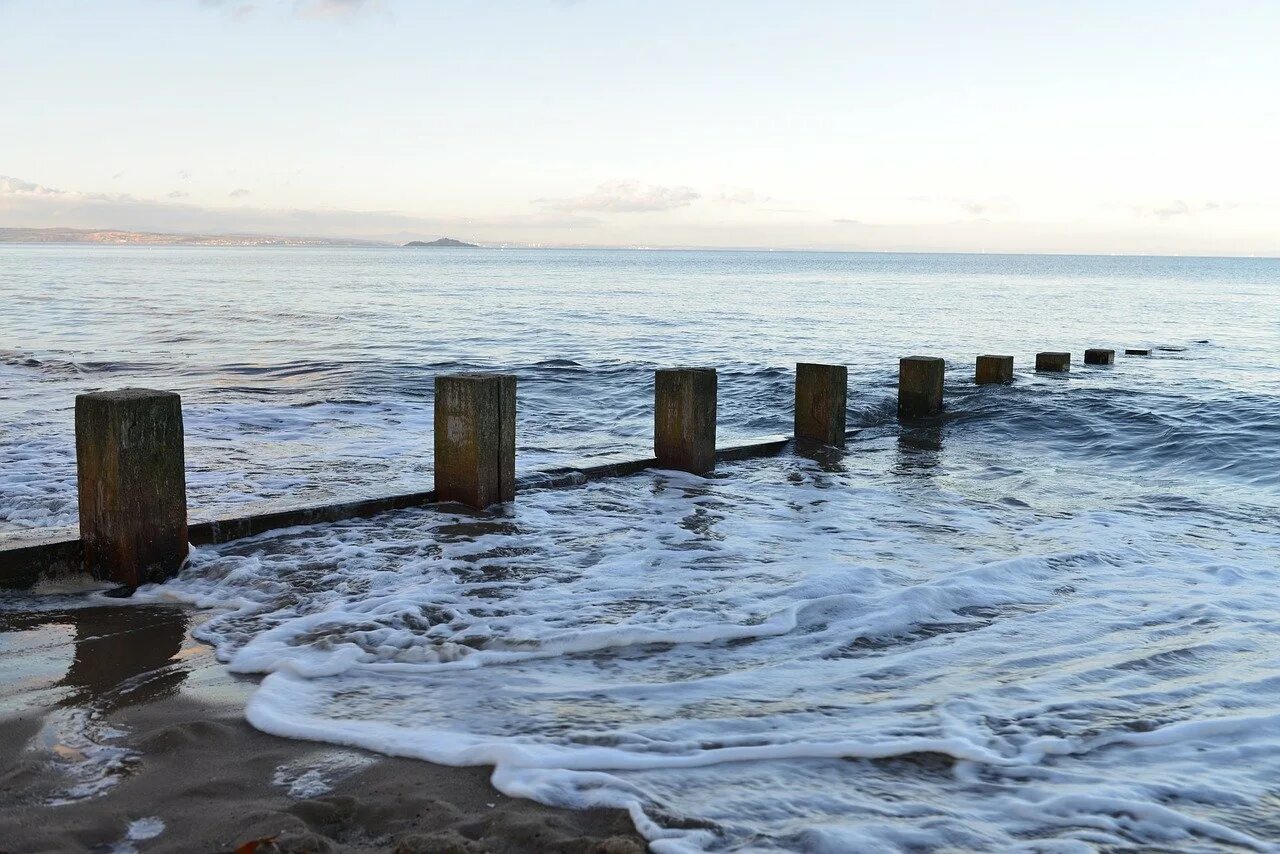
[(120, 733)]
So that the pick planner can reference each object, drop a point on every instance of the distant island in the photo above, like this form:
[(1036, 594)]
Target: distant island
[(443, 241)]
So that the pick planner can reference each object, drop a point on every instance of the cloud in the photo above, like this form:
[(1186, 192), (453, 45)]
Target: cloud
[(238, 193), (239, 10), (24, 204), (1179, 208), (330, 8), (178, 194), (739, 196), (976, 208), (18, 189), (625, 197)]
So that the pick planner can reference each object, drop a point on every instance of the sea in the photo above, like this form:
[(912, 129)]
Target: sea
[(1047, 620)]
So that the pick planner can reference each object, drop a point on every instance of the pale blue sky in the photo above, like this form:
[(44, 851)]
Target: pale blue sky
[(998, 126)]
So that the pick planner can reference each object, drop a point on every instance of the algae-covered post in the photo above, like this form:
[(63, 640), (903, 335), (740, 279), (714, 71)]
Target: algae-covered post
[(684, 419), (1049, 361), (132, 484), (475, 427), (920, 386), (993, 369), (820, 403), (1099, 356)]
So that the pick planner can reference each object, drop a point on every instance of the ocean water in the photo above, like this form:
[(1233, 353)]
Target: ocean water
[(1047, 621)]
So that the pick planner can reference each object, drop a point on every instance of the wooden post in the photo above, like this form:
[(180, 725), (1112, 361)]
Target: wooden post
[(1137, 351), (132, 484), (1097, 356), (475, 426), (1053, 361), (684, 419), (920, 386), (820, 403), (994, 369)]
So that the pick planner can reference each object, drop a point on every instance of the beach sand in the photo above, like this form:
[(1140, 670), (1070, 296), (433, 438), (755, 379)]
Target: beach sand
[(120, 733)]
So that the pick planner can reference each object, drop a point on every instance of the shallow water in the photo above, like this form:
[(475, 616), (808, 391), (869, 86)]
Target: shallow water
[(1047, 621)]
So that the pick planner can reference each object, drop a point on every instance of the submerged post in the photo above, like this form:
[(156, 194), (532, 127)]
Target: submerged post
[(1053, 362), (821, 392), (131, 481), (475, 427), (684, 419), (1137, 351), (920, 386), (1098, 356), (994, 369)]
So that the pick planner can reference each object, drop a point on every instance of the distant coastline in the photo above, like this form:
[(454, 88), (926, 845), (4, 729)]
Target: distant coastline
[(118, 237), (121, 237)]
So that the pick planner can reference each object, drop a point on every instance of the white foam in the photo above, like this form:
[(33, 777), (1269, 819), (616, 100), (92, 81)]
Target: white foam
[(785, 654), (315, 775), (143, 829), (82, 751)]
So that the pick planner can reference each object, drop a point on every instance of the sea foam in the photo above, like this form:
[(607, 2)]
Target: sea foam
[(788, 656)]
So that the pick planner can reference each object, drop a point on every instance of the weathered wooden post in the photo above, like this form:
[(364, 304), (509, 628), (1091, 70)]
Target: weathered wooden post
[(684, 419), (475, 426), (920, 386), (994, 369), (1053, 361), (1099, 356), (821, 392), (132, 486)]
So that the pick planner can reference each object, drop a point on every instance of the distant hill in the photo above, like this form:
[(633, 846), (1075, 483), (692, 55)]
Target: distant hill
[(443, 241), (146, 238)]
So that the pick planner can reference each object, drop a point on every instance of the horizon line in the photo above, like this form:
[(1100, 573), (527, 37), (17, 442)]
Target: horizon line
[(321, 242)]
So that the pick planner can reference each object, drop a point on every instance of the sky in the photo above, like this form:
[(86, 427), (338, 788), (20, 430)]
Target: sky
[(915, 125)]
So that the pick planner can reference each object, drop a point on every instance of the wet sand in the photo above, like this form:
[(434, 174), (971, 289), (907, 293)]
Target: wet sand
[(119, 733)]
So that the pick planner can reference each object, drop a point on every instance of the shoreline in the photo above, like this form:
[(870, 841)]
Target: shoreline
[(142, 745)]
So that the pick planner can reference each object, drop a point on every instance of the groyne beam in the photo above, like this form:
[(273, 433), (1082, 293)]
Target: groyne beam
[(131, 484), (475, 439), (1053, 362), (821, 400), (1099, 356), (920, 386), (130, 461), (993, 369), (684, 419)]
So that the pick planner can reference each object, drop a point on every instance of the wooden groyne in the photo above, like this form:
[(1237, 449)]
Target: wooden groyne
[(131, 479)]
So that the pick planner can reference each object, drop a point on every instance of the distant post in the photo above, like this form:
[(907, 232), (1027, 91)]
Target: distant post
[(684, 419), (1098, 356), (131, 481), (994, 369), (920, 386), (1137, 351), (1054, 362), (475, 439), (821, 392)]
